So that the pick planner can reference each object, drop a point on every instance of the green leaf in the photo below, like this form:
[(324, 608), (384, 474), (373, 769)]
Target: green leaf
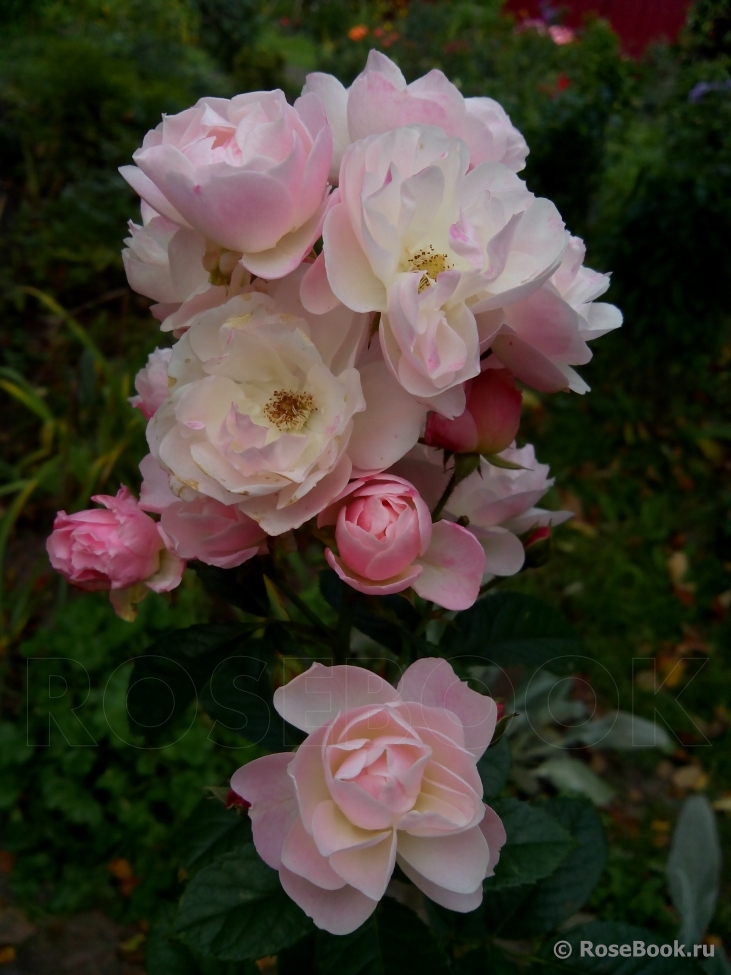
[(536, 844), (235, 909), (167, 955), (393, 941), (210, 831), (167, 676), (386, 619), (613, 933), (508, 628), (566, 890), (239, 696), (243, 586), (494, 767)]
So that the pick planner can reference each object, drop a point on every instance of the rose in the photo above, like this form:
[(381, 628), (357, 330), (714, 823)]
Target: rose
[(120, 550), (215, 533), (490, 420), (386, 542), (151, 383), (545, 333), (497, 503), (164, 261), (380, 100), (248, 173), (256, 418), (415, 237), (386, 776)]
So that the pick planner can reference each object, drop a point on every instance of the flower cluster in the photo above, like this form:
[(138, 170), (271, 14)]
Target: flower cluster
[(355, 283)]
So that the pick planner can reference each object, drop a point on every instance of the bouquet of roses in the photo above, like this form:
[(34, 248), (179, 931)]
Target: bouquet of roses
[(354, 284)]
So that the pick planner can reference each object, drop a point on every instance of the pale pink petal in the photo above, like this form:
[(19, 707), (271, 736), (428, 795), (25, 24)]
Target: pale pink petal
[(528, 364), (462, 903), (265, 784), (289, 250), (432, 682), (316, 697), (337, 911), (384, 588), (333, 831), (458, 861), (150, 194), (170, 573), (317, 296), (155, 493), (348, 269), (504, 552), (368, 869), (390, 425), (301, 856), (494, 832), (308, 775), (453, 567)]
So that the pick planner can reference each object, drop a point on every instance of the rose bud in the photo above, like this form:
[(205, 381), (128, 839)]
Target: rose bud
[(235, 801), (118, 549), (537, 545), (490, 420)]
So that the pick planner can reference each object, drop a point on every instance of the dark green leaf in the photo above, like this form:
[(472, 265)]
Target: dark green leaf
[(494, 767), (508, 628), (392, 942), (210, 831), (235, 909), (167, 676), (243, 586), (613, 933), (565, 892), (385, 619), (239, 696), (535, 846), (167, 955)]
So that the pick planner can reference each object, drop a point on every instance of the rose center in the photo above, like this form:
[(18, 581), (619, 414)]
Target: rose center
[(288, 411), (430, 264)]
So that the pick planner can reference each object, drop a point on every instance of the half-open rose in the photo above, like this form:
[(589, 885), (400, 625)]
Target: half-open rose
[(386, 776)]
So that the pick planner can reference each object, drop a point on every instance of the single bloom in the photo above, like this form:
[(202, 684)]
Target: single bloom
[(386, 776), (248, 173), (256, 417), (490, 420), (497, 504), (380, 100), (436, 250), (386, 542), (116, 548), (545, 334)]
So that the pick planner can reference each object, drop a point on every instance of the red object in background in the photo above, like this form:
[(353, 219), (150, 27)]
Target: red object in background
[(637, 22)]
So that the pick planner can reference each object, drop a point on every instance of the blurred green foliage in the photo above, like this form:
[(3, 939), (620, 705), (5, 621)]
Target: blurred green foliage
[(638, 163)]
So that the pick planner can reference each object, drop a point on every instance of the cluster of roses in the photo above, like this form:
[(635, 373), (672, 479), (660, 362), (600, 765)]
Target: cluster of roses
[(338, 384)]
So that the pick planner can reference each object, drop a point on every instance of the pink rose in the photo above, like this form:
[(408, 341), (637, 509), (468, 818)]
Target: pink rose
[(120, 549), (217, 534), (490, 420), (380, 100), (164, 261), (386, 776), (386, 542), (248, 173), (151, 383)]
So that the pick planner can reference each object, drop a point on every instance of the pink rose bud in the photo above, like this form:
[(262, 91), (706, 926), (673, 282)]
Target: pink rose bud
[(490, 420), (116, 548), (386, 543), (235, 801), (217, 534), (151, 383), (538, 536), (500, 710)]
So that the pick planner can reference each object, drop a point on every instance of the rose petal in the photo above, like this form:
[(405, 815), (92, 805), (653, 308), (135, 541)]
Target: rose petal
[(267, 786), (336, 911)]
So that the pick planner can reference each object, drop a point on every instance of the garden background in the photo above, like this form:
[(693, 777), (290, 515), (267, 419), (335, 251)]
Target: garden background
[(636, 153)]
